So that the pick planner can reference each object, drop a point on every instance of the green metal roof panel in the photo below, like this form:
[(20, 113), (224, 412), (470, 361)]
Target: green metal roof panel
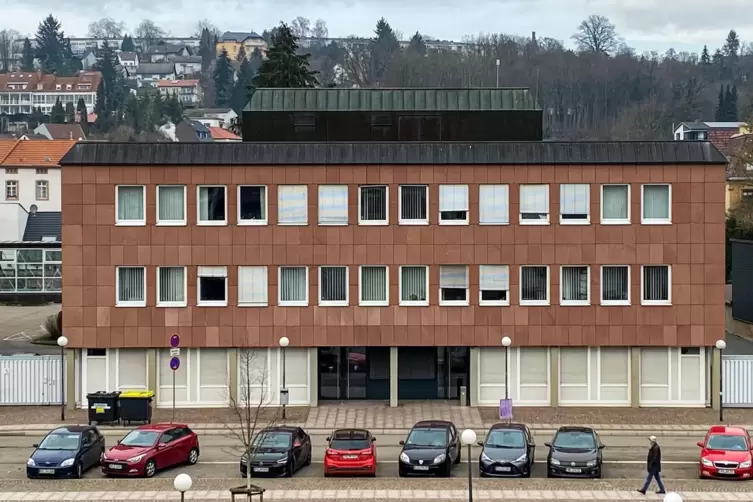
[(325, 99)]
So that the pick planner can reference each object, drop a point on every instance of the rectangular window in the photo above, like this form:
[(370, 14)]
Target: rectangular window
[(574, 202), (252, 287), (131, 287), (333, 204), (656, 205), (414, 205), (11, 170), (292, 204), (333, 286), (41, 170), (373, 286), (11, 190), (171, 205), (43, 190), (615, 204), (212, 205), (171, 286), (293, 286), (453, 285), (534, 285), (212, 286), (574, 286), (453, 204), (373, 206), (534, 204), (414, 285), (494, 285), (494, 204), (656, 285), (615, 285), (252, 205), (130, 205)]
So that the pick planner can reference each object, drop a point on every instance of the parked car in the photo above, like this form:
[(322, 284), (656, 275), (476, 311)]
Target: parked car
[(432, 447), (277, 451), (149, 448), (507, 451), (725, 453), (574, 452), (66, 452), (350, 451)]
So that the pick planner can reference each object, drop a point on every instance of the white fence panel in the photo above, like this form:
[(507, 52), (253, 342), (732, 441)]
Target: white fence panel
[(29, 380), (737, 381)]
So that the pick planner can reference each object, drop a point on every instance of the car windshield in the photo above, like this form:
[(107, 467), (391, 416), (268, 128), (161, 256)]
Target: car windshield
[(275, 440), (140, 438), (726, 442), (575, 439), (505, 439), (427, 437), (345, 444), (56, 441)]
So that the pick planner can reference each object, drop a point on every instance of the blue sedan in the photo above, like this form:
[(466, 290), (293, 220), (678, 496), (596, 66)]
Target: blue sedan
[(66, 452)]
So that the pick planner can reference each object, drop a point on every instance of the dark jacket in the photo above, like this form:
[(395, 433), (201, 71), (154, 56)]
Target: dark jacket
[(653, 462)]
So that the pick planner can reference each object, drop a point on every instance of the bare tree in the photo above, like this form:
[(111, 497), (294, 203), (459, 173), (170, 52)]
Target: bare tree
[(320, 29), (8, 48), (208, 25), (597, 34), (149, 33), (106, 28), (301, 27)]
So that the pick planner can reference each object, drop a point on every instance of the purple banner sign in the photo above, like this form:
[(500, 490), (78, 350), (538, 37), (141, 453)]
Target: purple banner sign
[(505, 409)]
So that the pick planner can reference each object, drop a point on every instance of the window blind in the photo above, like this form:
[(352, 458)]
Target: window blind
[(494, 204), (333, 204), (373, 203), (374, 284), (171, 203), (130, 203), (293, 284), (614, 284), (574, 283), (494, 277), (413, 202), (205, 271), (413, 284), (131, 284), (656, 283), (615, 202), (574, 200), (656, 202), (333, 284), (292, 204), (453, 198), (534, 199), (252, 285), (453, 277), (172, 284)]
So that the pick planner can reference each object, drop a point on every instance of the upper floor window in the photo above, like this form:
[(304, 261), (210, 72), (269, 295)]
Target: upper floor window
[(494, 284), (333, 286), (130, 287), (373, 208), (293, 286), (414, 285), (333, 204), (130, 205), (252, 286), (453, 285), (252, 205), (494, 204), (656, 204), (171, 286), (534, 285), (656, 285), (171, 205), (574, 285), (292, 205), (212, 205), (574, 204), (41, 170), (212, 290), (414, 205), (373, 286), (42, 190), (615, 204), (534, 204), (615, 285), (11, 190), (453, 204)]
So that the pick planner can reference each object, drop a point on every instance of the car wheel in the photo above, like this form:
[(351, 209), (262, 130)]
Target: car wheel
[(460, 453), (401, 472), (193, 456), (308, 459), (79, 470), (482, 474), (290, 469), (598, 474), (150, 469), (447, 470)]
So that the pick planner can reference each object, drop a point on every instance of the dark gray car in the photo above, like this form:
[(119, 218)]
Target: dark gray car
[(432, 447), (575, 452), (507, 452)]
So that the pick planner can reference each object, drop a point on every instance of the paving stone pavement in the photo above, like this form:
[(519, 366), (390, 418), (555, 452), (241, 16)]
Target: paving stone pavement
[(380, 416)]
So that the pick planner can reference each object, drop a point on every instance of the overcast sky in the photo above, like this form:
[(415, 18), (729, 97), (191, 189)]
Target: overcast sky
[(644, 24)]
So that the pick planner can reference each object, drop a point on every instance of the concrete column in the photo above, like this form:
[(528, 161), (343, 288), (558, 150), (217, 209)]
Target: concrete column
[(232, 375), (635, 377), (151, 372), (313, 377), (554, 376), (716, 372), (70, 380), (393, 378), (473, 383)]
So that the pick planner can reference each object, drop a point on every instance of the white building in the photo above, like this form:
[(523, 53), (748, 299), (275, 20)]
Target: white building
[(213, 117), (21, 92), (189, 92)]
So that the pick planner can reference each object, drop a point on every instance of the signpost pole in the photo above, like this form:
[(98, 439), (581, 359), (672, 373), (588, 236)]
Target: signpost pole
[(173, 419)]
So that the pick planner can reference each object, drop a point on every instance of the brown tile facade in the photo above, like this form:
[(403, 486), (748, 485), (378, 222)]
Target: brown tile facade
[(693, 244)]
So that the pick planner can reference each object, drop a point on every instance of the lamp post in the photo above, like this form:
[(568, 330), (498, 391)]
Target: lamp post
[(468, 437), (62, 342), (673, 497), (506, 342), (183, 483), (284, 342), (720, 346), (498, 73)]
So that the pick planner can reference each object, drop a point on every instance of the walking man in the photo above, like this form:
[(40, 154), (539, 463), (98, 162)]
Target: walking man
[(653, 466)]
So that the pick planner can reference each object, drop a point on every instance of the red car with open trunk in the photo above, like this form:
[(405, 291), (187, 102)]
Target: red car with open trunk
[(726, 454), (350, 451)]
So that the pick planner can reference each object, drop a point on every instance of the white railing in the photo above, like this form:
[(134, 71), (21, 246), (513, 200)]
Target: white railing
[(29, 380)]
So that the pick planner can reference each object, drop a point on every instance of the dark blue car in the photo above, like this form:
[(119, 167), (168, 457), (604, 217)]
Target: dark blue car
[(66, 452)]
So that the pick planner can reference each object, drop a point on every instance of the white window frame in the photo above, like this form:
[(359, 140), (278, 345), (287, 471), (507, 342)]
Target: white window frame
[(666, 302), (279, 206), (467, 211), (653, 221), (400, 219), (412, 303), (262, 222), (458, 303), (548, 205), (507, 203), (266, 287), (535, 303), (587, 221), (493, 303), (184, 303), (282, 303), (118, 302), (209, 223), (319, 206), (365, 303), (42, 184), (386, 203), (173, 223), (14, 184), (615, 303), (576, 303), (611, 221), (211, 303), (130, 223), (340, 303)]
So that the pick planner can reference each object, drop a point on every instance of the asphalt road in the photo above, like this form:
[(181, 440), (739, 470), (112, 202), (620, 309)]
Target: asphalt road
[(20, 325)]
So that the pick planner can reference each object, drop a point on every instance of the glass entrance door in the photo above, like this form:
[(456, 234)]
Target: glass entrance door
[(357, 372), (354, 373)]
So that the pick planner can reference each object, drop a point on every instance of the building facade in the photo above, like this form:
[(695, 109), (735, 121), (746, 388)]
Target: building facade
[(21, 92)]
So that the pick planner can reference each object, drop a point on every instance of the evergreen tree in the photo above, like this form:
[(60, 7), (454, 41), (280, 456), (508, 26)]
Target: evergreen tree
[(36, 118), (284, 67), (53, 49), (70, 113), (27, 56), (156, 110), (417, 44), (173, 109), (731, 45), (223, 80), (57, 116), (241, 56), (104, 121), (246, 74), (705, 57), (383, 48), (206, 49), (111, 90), (730, 104), (83, 115), (127, 44), (134, 114), (720, 108)]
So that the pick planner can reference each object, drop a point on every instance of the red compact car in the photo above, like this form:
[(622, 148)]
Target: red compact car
[(350, 451), (149, 448), (725, 454)]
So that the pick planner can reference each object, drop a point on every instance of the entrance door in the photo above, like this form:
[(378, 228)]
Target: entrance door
[(329, 373), (357, 372)]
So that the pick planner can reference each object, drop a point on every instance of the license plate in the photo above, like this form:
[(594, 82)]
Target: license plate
[(261, 469), (46, 471), (572, 470), (726, 471), (115, 466), (421, 467), (502, 469), (350, 457)]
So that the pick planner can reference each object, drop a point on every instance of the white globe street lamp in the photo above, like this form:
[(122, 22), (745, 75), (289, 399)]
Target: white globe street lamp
[(468, 437), (284, 342), (673, 497), (720, 346), (182, 483), (62, 342)]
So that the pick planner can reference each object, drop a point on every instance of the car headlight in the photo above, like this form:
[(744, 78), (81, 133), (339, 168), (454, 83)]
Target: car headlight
[(486, 458), (440, 458), (31, 462), (67, 462), (554, 461), (244, 460), (283, 460), (137, 458), (746, 464), (707, 462), (521, 458), (591, 463), (404, 458)]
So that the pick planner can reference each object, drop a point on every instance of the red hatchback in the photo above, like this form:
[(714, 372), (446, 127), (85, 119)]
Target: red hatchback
[(350, 451), (149, 448), (725, 454)]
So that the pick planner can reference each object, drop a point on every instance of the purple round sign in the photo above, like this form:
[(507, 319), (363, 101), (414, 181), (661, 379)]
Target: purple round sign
[(174, 341), (174, 363)]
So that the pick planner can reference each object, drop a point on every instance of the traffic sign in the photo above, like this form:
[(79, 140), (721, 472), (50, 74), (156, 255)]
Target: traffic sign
[(175, 341), (174, 352), (174, 363)]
